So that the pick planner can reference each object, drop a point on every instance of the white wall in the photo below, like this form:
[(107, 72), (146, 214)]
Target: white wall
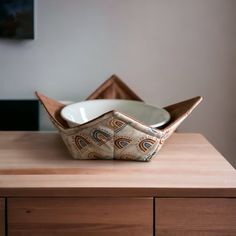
[(166, 50)]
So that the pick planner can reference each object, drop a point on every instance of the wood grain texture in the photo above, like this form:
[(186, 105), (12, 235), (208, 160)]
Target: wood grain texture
[(80, 216), (196, 217), (2, 217), (38, 164)]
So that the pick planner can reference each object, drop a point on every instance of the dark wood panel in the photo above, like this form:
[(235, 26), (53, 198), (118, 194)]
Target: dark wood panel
[(2, 217), (195, 217), (19, 115), (80, 216)]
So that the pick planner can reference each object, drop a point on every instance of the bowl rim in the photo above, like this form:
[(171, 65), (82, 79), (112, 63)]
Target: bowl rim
[(156, 125)]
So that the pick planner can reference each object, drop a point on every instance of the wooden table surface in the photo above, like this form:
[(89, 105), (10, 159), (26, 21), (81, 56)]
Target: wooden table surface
[(38, 164)]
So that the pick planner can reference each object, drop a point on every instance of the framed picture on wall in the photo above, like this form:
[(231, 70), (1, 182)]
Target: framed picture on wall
[(17, 19)]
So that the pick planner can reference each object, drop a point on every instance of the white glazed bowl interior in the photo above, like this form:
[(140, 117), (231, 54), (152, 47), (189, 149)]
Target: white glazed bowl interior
[(82, 112)]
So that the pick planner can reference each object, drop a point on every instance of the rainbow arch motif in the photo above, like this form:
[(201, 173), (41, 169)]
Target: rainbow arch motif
[(145, 144), (94, 155), (81, 142), (116, 124), (122, 142), (100, 136)]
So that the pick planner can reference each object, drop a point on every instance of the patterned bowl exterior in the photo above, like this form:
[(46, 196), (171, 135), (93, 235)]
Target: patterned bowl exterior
[(115, 135), (112, 136)]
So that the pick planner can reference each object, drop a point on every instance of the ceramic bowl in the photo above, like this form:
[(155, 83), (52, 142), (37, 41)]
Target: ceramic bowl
[(83, 112)]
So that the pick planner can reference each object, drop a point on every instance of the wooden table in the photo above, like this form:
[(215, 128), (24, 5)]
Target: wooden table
[(187, 189)]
